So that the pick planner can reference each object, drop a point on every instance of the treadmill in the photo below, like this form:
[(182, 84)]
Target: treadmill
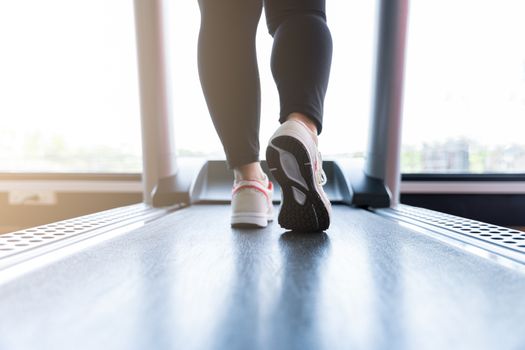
[(170, 273)]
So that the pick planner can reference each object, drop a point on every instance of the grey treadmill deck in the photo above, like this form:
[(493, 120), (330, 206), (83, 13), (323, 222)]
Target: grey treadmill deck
[(189, 281)]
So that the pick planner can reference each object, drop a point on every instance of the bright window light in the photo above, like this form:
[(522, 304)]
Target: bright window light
[(68, 87), (69, 97), (464, 108)]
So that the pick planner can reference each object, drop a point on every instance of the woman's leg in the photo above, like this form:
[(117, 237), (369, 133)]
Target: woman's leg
[(301, 58), (229, 76)]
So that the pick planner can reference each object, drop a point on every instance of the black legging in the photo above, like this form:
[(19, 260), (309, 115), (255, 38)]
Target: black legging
[(301, 59)]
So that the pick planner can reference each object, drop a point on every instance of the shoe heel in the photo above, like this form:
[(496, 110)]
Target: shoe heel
[(302, 208)]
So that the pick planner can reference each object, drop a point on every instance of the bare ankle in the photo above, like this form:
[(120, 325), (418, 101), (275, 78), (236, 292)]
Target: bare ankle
[(304, 119), (251, 171)]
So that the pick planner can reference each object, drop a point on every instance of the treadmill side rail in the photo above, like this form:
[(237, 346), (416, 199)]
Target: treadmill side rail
[(364, 190), (501, 244), (45, 240), (180, 188)]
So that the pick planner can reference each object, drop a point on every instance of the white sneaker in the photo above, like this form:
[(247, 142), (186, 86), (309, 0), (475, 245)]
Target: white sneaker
[(252, 203), (297, 166)]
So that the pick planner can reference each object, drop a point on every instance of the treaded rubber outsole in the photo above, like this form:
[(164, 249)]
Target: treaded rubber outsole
[(311, 215), (246, 225), (250, 223)]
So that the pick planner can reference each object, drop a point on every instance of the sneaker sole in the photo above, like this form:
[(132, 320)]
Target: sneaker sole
[(249, 221), (302, 208)]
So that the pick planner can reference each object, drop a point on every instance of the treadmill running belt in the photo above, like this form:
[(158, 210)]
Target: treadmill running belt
[(189, 281)]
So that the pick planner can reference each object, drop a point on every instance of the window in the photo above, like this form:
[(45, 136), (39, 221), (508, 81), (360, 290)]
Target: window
[(464, 104), (68, 87)]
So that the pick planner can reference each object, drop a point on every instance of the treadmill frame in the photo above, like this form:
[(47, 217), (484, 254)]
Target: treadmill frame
[(374, 185)]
